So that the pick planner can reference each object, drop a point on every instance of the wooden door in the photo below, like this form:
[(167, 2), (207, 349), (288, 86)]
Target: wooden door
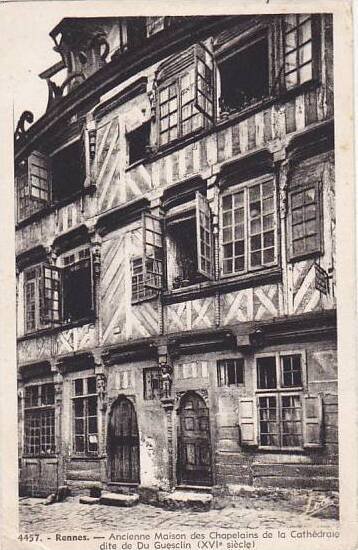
[(39, 476), (123, 443), (194, 452)]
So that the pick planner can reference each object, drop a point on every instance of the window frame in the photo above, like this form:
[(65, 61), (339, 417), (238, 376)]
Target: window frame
[(84, 396), (39, 410), (318, 221), (279, 391), (154, 394), (221, 364), (245, 187), (76, 252), (239, 45)]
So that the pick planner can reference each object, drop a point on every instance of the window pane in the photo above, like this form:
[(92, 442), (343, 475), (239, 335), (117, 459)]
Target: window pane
[(91, 385), (92, 406), (79, 386), (269, 426), (266, 373), (291, 423), (291, 370), (305, 73)]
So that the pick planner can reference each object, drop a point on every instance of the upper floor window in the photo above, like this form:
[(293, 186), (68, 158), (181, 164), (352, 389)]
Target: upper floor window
[(185, 94), (249, 228), (43, 180), (297, 49), (39, 424), (155, 24), (244, 74), (77, 291), (68, 171), (59, 294), (138, 140), (189, 243)]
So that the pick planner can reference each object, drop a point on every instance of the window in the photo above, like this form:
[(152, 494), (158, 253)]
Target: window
[(42, 297), (39, 420), (138, 140), (249, 239), (297, 49), (42, 180), (304, 219), (185, 94), (85, 427), (155, 24), (147, 270), (77, 285), (68, 171), (280, 411), (33, 185), (230, 372), (186, 264), (244, 75), (152, 383)]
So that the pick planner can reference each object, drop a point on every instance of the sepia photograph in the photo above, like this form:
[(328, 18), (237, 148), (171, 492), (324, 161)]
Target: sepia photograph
[(176, 280)]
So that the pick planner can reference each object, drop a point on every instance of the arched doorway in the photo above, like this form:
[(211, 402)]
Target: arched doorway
[(194, 451), (123, 442)]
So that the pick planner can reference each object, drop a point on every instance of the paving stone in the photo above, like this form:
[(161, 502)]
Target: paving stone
[(88, 500), (116, 499)]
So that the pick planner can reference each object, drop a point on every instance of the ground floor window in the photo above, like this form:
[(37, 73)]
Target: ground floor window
[(85, 424), (230, 372), (39, 415), (280, 420)]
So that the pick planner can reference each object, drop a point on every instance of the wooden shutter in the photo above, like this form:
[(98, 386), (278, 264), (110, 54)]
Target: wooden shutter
[(204, 81), (84, 156), (50, 295), (204, 236), (38, 167), (312, 421), (247, 421), (152, 251)]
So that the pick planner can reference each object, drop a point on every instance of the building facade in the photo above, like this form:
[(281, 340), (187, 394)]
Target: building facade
[(175, 249)]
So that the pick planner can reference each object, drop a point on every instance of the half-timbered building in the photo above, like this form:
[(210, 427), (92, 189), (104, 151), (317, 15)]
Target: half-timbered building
[(175, 249)]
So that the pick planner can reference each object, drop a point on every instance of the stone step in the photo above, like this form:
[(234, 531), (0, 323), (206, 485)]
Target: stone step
[(89, 500), (194, 500), (117, 499)]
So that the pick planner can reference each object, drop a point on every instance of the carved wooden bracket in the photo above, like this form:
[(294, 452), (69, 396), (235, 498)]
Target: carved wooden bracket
[(26, 117)]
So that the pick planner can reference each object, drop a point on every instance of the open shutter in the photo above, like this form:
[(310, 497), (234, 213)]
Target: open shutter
[(204, 81), (84, 156), (312, 421), (247, 421), (38, 177), (50, 295), (204, 237), (153, 251)]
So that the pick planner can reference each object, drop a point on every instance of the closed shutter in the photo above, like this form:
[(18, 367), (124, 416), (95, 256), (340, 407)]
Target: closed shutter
[(312, 421), (204, 236), (247, 421)]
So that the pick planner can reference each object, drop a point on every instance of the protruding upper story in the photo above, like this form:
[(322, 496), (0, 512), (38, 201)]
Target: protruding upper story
[(197, 150)]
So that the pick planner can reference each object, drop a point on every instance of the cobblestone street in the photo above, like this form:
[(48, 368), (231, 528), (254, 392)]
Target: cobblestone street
[(71, 516)]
